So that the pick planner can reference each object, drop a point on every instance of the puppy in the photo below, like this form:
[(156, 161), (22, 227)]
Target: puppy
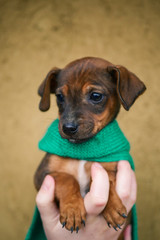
[(89, 94)]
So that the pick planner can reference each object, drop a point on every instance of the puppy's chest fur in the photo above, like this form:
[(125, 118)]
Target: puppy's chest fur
[(80, 169)]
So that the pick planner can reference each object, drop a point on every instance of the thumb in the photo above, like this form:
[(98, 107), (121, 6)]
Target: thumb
[(97, 197), (45, 202)]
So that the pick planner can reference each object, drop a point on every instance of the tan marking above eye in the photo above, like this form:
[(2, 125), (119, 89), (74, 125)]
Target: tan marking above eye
[(88, 87), (63, 90)]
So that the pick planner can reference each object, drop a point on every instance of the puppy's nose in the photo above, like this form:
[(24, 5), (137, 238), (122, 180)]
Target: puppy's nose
[(70, 128)]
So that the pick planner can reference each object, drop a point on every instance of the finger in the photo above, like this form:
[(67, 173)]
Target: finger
[(124, 181), (127, 233), (133, 192), (45, 197), (96, 199)]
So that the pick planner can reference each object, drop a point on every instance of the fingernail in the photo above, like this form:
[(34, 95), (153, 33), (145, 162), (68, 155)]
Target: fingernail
[(47, 183), (97, 165)]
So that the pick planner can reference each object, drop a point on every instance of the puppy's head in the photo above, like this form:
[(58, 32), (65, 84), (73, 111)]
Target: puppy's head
[(89, 93)]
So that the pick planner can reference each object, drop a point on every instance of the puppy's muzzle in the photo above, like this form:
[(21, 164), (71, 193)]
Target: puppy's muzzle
[(70, 128)]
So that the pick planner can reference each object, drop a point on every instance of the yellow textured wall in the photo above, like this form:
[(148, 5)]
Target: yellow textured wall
[(37, 35)]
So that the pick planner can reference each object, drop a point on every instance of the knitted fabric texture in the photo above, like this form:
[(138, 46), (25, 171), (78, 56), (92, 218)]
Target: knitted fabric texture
[(108, 145)]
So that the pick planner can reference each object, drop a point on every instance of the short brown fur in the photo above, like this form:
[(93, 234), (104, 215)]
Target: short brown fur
[(77, 86)]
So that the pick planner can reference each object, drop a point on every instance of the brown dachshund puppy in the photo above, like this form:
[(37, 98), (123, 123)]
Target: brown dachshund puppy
[(89, 94)]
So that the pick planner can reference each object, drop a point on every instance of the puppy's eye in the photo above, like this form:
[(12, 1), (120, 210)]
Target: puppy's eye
[(60, 98), (96, 97)]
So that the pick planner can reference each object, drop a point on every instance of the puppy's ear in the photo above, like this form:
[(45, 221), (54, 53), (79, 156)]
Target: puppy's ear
[(129, 86), (47, 86)]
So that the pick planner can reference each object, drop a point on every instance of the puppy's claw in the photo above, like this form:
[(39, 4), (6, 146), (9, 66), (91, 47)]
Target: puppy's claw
[(119, 226), (77, 229), (124, 215), (84, 223), (71, 229), (109, 225), (115, 228), (63, 224)]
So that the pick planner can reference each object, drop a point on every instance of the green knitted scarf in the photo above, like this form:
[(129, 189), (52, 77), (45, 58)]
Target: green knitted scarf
[(108, 145)]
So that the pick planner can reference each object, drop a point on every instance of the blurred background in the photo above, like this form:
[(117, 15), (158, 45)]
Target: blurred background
[(38, 35)]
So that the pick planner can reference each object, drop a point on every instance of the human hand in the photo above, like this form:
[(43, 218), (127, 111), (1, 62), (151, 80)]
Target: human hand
[(95, 201)]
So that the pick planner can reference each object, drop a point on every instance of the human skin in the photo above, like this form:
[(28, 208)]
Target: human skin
[(95, 201)]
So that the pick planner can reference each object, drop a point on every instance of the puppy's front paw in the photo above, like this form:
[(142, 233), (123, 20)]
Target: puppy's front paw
[(115, 214), (72, 214)]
